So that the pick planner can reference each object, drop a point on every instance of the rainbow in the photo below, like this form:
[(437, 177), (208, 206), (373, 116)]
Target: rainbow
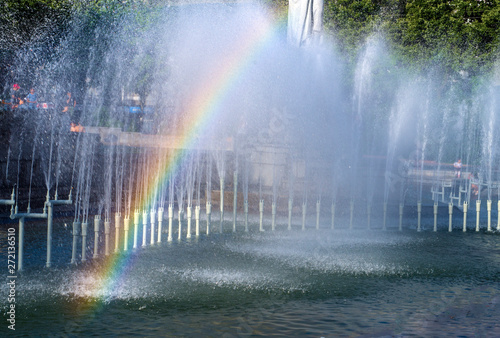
[(199, 112)]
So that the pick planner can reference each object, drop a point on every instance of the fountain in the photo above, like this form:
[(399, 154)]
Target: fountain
[(181, 98)]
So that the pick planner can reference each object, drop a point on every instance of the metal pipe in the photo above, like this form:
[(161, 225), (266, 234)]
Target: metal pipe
[(97, 223), (170, 221), (488, 208), (188, 214), (246, 215), (136, 227), (107, 231), (76, 232), (126, 227), (465, 216), (153, 221), (84, 241), (197, 220), (117, 232), (160, 223), (221, 204), (144, 226), (21, 244), (209, 216), (180, 224), (435, 216), (235, 198), (450, 215), (49, 234), (478, 211)]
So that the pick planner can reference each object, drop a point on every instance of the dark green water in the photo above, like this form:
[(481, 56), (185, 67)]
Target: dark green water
[(312, 283)]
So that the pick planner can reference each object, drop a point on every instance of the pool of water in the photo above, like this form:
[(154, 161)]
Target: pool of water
[(314, 283)]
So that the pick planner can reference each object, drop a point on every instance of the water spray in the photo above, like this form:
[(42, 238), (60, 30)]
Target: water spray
[(368, 215), (246, 215), (97, 225), (273, 216), (179, 218), (290, 206)]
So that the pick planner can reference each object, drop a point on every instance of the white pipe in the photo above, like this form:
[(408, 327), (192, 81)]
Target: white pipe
[(126, 228), (107, 231), (235, 199), (76, 232), (401, 209), (117, 230), (435, 216), (488, 206), (179, 214), (170, 221), (160, 223), (209, 216), (304, 210), (188, 214), (478, 211), (261, 213), (221, 204), (465, 216), (21, 244), (197, 220), (290, 207), (384, 226), (84, 241), (97, 223), (333, 215), (136, 227), (144, 226), (49, 234), (153, 221), (498, 214), (419, 215), (246, 215), (450, 215), (318, 210)]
